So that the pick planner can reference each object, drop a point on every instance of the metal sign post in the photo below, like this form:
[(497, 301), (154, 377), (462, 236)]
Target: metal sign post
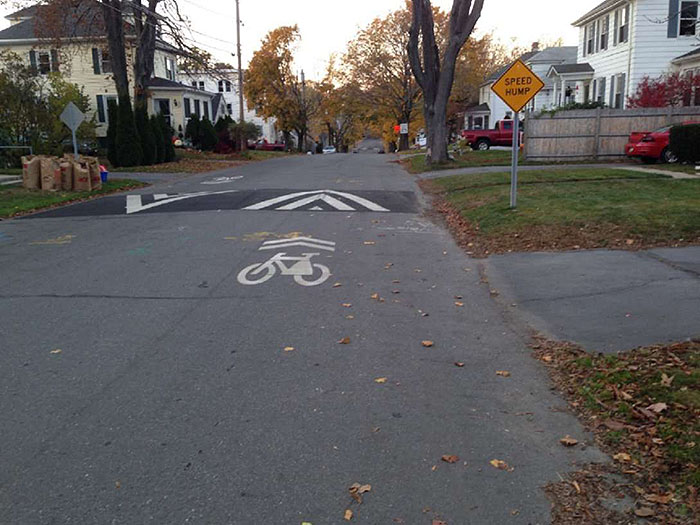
[(514, 167), (516, 87), (73, 118)]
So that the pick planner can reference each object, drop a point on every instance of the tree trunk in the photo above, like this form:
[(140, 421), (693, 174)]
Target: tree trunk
[(145, 24), (403, 142), (114, 23)]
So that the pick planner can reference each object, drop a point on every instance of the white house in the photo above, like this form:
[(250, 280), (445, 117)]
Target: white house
[(491, 108), (622, 41), (225, 83)]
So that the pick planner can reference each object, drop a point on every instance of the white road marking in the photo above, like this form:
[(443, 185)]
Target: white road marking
[(310, 239), (324, 195), (134, 204), (301, 269), (332, 201), (222, 180), (298, 243)]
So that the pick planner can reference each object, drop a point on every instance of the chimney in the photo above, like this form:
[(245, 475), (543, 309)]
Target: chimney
[(535, 46)]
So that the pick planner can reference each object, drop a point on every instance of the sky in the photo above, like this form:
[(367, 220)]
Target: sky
[(327, 26)]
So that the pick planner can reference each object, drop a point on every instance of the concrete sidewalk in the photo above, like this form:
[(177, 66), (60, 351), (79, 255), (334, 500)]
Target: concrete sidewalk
[(603, 300)]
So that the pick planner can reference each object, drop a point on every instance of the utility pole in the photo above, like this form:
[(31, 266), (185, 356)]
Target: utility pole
[(303, 104), (241, 118)]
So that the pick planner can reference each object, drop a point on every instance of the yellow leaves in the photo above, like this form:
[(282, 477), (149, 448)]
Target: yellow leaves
[(337, 285), (568, 441), (450, 458), (428, 344), (459, 304), (622, 457), (347, 305), (348, 515), (344, 341), (501, 465), (503, 373), (57, 351), (356, 490), (369, 243), (289, 349), (381, 380)]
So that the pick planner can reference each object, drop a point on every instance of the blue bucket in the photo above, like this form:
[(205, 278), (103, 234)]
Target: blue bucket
[(103, 175)]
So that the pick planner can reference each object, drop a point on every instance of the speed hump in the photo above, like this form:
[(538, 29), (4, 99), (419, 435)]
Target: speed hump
[(517, 86)]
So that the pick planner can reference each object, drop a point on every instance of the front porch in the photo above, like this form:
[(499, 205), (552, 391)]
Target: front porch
[(571, 83)]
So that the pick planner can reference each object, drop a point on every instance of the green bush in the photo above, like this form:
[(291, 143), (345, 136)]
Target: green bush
[(207, 135), (685, 142), (223, 123), (148, 141), (129, 152), (158, 139), (168, 147), (113, 117), (192, 130)]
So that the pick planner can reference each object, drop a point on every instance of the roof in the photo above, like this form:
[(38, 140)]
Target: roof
[(480, 108), (694, 54), (86, 20), (561, 55), (598, 10), (568, 69), (27, 12), (164, 83), (498, 74)]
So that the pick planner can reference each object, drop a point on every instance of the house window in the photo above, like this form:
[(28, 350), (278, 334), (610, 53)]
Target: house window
[(170, 69), (188, 107), (623, 31), (228, 87), (590, 43), (600, 96), (229, 109), (221, 86), (44, 62), (194, 84), (619, 101), (689, 18), (604, 32), (205, 104), (201, 85), (197, 110)]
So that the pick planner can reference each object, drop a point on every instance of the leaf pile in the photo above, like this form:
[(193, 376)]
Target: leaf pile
[(644, 409)]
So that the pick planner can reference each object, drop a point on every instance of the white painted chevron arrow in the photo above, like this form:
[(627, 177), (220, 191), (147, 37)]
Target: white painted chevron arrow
[(308, 197)]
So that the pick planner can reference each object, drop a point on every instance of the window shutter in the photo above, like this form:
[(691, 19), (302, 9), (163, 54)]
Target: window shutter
[(54, 61), (612, 91), (585, 40), (673, 12), (96, 61), (614, 28), (623, 97), (101, 109), (32, 60), (601, 89)]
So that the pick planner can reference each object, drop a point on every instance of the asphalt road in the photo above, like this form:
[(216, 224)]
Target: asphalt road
[(145, 378)]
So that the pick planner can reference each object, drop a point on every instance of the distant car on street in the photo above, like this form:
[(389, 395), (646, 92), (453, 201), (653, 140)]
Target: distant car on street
[(652, 146), (483, 139), (328, 150), (264, 145)]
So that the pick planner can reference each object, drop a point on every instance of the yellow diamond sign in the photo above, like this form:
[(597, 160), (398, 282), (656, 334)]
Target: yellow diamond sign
[(517, 86)]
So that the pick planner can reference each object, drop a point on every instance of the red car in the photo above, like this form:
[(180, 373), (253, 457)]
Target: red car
[(483, 139), (264, 145), (652, 146)]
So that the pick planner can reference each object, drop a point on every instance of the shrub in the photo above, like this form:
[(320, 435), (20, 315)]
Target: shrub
[(207, 135), (168, 147), (225, 145), (223, 123), (192, 130), (129, 152), (158, 139), (148, 141), (113, 117), (685, 142)]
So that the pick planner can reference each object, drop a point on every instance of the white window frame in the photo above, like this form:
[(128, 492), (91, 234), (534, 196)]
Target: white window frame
[(680, 18), (604, 33), (170, 69), (624, 25)]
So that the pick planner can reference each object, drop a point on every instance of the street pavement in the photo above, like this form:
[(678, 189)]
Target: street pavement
[(604, 300), (170, 365)]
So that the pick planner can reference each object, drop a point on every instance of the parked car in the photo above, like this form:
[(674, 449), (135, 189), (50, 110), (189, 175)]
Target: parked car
[(328, 150), (652, 146), (264, 145), (483, 139)]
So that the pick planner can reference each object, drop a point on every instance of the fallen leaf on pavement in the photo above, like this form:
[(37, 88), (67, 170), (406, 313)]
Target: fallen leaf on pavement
[(459, 364), (428, 344), (503, 373), (344, 341), (349, 317), (289, 349), (622, 456), (369, 243), (347, 305), (568, 441), (57, 351), (450, 458), (380, 380), (337, 285), (457, 303), (501, 465), (657, 407), (395, 281), (439, 522), (364, 488), (644, 512), (396, 291), (547, 358), (374, 296), (348, 515)]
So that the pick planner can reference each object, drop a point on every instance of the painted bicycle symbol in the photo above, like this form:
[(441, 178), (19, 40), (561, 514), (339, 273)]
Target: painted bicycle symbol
[(303, 271)]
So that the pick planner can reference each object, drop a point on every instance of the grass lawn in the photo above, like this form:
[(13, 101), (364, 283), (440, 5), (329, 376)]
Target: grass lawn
[(468, 159), (678, 168), (17, 200), (10, 171), (569, 209), (191, 161), (644, 408)]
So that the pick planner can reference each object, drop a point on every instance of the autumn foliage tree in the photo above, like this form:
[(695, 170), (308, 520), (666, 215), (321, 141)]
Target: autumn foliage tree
[(672, 89), (435, 73)]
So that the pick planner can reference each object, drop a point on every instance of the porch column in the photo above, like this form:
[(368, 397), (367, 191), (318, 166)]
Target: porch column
[(554, 95), (563, 91)]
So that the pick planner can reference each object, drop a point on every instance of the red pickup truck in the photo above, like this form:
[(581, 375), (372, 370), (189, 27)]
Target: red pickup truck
[(264, 145), (483, 139)]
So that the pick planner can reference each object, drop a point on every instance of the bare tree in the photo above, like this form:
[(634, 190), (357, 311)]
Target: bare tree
[(435, 77)]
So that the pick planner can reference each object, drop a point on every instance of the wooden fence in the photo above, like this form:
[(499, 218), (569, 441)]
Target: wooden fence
[(594, 134)]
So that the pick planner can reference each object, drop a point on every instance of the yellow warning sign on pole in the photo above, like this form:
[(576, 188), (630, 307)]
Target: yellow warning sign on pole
[(517, 86)]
